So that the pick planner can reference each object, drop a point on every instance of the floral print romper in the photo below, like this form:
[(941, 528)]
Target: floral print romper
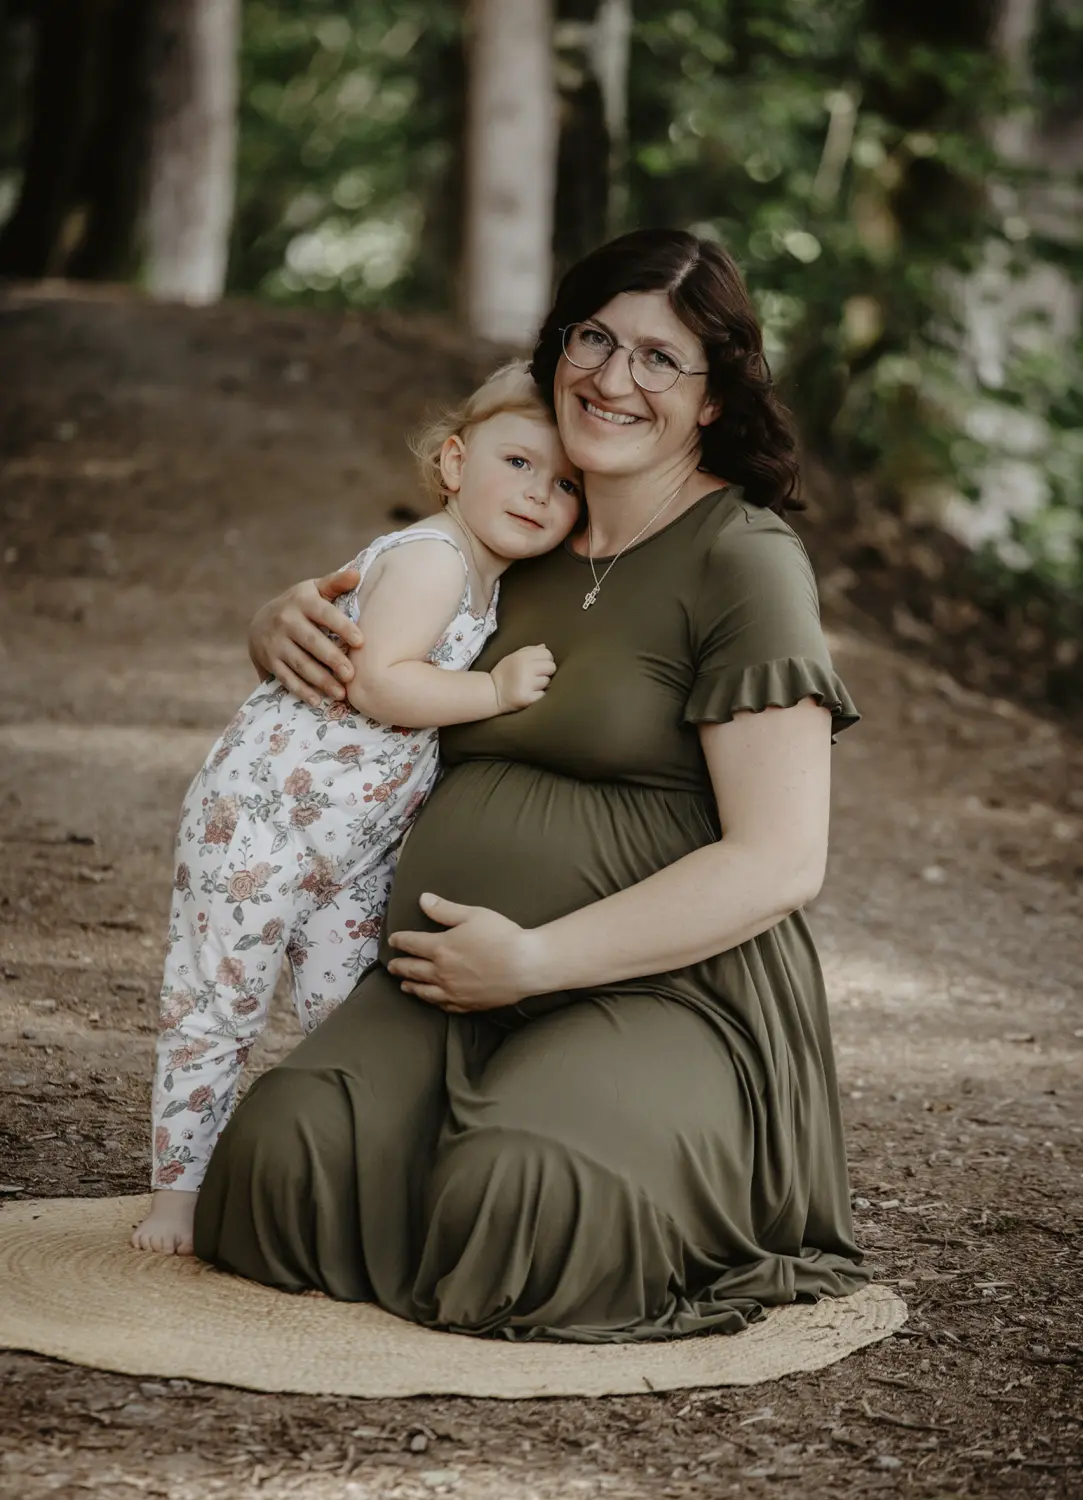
[(286, 848)]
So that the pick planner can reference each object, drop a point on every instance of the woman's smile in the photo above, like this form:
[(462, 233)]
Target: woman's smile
[(608, 414)]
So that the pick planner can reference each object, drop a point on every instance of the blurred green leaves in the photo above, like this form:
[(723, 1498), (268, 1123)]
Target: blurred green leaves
[(347, 125), (843, 152)]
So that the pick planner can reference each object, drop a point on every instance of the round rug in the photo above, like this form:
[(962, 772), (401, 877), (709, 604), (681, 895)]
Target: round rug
[(72, 1287)]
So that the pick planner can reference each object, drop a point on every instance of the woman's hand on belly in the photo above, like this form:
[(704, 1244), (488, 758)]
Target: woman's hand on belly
[(482, 962)]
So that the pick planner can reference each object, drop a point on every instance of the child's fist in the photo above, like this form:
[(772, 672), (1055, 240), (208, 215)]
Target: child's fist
[(521, 678)]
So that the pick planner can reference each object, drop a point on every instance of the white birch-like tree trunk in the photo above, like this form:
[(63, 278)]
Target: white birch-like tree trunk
[(610, 52), (510, 168), (190, 189)]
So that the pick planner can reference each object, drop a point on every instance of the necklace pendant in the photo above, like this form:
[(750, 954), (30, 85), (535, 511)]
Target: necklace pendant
[(590, 598)]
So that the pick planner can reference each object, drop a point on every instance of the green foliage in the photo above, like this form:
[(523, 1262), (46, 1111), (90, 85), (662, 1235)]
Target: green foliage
[(1057, 54), (345, 134), (842, 152), (847, 160)]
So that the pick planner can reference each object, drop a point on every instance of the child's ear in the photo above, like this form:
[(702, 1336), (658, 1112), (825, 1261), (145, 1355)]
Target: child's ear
[(452, 455)]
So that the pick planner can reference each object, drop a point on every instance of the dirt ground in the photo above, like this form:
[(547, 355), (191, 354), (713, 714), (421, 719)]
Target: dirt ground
[(162, 472)]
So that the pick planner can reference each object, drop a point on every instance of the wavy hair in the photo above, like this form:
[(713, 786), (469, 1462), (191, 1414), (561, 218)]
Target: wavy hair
[(752, 442)]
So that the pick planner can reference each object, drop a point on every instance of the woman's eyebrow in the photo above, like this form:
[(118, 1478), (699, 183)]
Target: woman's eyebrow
[(652, 343)]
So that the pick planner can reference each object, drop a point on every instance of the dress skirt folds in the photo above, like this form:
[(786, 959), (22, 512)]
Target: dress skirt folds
[(654, 1158)]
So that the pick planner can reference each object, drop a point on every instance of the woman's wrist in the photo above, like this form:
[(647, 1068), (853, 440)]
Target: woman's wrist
[(494, 687), (538, 969)]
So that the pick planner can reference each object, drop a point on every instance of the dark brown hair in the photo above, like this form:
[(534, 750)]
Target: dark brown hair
[(752, 442)]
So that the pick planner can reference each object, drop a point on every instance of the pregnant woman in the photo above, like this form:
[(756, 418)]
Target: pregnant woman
[(588, 1093)]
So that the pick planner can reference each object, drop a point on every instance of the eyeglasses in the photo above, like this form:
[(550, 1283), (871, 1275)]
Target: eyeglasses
[(588, 347)]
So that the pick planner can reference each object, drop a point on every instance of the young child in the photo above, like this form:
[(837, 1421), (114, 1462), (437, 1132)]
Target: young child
[(288, 834)]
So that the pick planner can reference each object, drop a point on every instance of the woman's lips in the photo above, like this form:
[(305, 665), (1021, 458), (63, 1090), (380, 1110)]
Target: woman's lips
[(607, 415)]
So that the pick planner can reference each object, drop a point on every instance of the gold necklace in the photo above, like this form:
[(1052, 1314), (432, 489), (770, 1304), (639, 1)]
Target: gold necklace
[(592, 594)]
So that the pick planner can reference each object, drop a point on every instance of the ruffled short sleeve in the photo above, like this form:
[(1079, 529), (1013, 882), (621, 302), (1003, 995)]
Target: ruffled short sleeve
[(756, 627)]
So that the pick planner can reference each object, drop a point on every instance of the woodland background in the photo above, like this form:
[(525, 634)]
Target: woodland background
[(242, 247), (902, 185)]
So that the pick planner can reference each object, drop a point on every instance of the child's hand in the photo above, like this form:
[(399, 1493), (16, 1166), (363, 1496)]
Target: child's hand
[(522, 678)]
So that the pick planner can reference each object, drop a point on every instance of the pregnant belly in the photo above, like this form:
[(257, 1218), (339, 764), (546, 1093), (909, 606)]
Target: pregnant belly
[(534, 845)]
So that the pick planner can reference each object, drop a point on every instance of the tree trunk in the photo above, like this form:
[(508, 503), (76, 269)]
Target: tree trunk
[(581, 206), (193, 142), (61, 107), (592, 42), (112, 179), (511, 168), (610, 54)]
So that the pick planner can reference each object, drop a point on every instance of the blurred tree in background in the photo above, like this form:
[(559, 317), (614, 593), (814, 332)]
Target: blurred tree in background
[(902, 185)]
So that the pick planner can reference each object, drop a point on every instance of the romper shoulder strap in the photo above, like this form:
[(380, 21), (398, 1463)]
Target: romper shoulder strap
[(417, 534)]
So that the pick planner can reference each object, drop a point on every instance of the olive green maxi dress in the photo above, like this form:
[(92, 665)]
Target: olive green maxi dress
[(650, 1158)]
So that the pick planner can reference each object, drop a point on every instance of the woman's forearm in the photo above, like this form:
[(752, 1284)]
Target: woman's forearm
[(706, 903)]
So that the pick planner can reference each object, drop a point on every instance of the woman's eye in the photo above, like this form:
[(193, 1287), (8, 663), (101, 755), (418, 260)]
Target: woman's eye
[(595, 338), (658, 359)]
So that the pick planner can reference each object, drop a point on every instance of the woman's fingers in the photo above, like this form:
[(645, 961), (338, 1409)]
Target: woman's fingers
[(305, 667), (432, 994), (419, 944), (321, 646), (419, 970), (323, 611), (330, 618), (450, 913), (333, 584), (293, 684)]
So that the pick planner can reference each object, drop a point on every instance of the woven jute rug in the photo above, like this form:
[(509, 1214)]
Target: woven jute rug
[(72, 1287)]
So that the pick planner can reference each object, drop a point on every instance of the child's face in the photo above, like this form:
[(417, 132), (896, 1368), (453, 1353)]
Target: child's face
[(515, 486)]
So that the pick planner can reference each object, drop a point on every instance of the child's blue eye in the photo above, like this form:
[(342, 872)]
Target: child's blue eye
[(516, 459), (569, 487)]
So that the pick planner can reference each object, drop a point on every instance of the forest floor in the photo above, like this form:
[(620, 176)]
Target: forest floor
[(163, 471)]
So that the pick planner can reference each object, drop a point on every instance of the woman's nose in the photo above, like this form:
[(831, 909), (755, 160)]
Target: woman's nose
[(614, 378)]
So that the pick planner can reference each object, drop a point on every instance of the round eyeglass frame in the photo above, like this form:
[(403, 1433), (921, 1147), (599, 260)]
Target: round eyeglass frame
[(655, 390)]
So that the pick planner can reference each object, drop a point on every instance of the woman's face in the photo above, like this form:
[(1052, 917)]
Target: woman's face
[(608, 424)]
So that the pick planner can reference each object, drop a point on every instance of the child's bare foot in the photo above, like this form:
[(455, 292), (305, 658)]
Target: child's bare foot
[(168, 1226)]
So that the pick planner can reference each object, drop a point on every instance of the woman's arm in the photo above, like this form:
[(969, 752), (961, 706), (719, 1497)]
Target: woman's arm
[(771, 774), (287, 638)]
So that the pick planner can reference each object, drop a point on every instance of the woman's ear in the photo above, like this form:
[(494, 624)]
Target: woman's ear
[(709, 412), (452, 455)]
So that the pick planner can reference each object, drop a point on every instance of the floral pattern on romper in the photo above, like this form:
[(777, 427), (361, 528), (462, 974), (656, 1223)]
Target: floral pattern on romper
[(286, 847)]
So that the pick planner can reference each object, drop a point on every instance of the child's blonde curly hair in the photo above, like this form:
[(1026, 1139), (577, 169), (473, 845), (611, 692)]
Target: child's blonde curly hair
[(511, 388)]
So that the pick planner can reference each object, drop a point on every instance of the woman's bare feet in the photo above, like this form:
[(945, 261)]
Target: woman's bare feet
[(168, 1226)]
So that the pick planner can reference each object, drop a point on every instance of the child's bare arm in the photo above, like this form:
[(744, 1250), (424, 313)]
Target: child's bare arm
[(404, 611)]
